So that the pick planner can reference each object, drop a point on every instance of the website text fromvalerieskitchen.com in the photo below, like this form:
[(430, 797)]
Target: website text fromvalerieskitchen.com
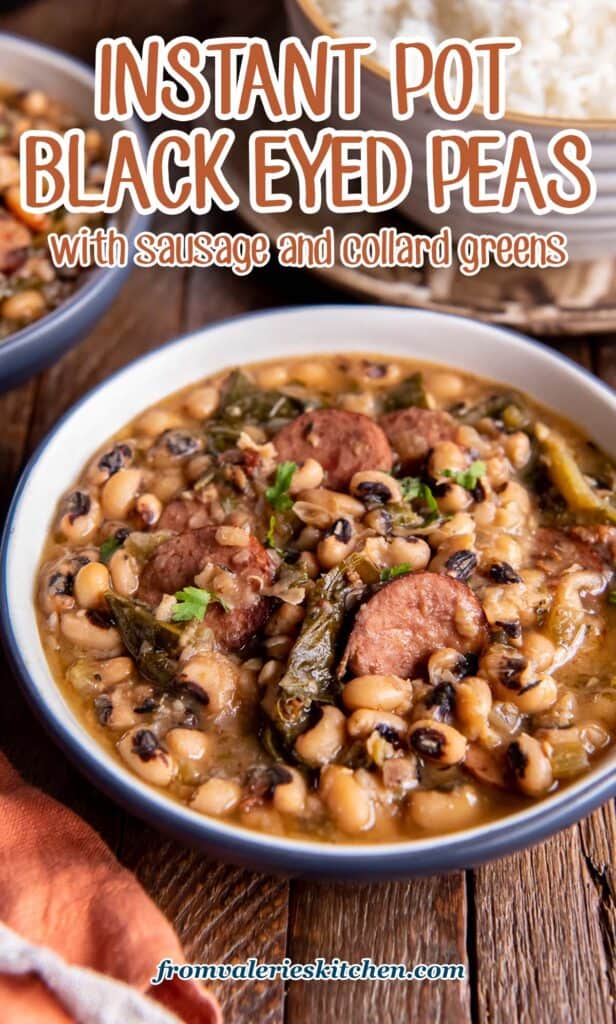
[(316, 970)]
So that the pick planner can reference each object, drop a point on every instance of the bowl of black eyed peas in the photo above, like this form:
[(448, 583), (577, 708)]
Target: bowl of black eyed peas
[(322, 596), (45, 309)]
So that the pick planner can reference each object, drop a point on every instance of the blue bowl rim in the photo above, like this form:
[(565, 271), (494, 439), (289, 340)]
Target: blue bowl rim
[(295, 857), (100, 279)]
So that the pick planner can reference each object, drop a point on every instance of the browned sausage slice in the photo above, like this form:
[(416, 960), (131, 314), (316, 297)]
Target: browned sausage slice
[(184, 514), (484, 766), (413, 432), (343, 442), (556, 550), (399, 628), (14, 241), (177, 561)]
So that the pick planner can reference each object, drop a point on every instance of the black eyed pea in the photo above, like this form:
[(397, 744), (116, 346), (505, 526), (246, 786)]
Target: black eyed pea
[(92, 675), (346, 800), (278, 646), (517, 448), (453, 498), (308, 562), (380, 693), (315, 517), (446, 455), (81, 516), (537, 694), (35, 103), (124, 573), (142, 752), (271, 672), (437, 811), (363, 722), (337, 504), (120, 493), (529, 765), (201, 403), (446, 666), (358, 401), (24, 306), (217, 797), (306, 477), (156, 421), (437, 742), (274, 376), (188, 744), (473, 703), (412, 551), (290, 797), (539, 650), (149, 509), (445, 387), (338, 542), (323, 742), (90, 631), (110, 461), (375, 486), (91, 584), (285, 619), (116, 709), (213, 680)]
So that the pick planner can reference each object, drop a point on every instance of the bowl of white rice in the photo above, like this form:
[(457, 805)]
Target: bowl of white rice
[(563, 76)]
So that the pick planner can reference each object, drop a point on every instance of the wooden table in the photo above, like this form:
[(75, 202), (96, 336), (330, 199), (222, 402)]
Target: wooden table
[(536, 931)]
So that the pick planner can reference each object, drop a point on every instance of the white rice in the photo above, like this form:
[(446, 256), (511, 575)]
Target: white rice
[(567, 65)]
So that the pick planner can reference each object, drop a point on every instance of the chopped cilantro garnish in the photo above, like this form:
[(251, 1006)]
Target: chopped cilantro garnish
[(412, 487), (611, 597), (394, 571), (467, 478), (278, 494), (193, 602), (109, 548)]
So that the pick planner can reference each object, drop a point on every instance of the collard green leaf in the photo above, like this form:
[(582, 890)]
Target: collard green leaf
[(409, 392), (310, 674), (243, 403), (154, 645)]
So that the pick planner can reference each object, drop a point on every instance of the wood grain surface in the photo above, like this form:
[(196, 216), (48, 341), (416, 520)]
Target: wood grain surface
[(536, 932)]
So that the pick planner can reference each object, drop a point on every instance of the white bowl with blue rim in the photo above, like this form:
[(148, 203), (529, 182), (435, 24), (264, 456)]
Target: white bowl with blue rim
[(473, 347), (29, 65)]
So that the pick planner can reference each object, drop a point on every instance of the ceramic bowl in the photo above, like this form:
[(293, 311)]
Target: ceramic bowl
[(485, 350), (590, 234), (32, 66)]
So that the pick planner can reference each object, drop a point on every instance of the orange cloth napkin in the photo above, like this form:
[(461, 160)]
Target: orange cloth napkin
[(62, 888)]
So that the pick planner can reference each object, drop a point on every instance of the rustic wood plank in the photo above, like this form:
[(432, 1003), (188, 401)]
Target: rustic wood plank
[(541, 952), (222, 915), (414, 922)]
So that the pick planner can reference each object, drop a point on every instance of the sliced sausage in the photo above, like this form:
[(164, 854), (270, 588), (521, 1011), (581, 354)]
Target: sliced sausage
[(177, 561), (413, 432), (484, 766), (397, 630), (343, 442), (14, 242), (555, 550), (602, 539), (184, 514)]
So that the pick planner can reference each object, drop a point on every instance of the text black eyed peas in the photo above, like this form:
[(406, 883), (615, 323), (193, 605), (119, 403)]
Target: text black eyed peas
[(31, 285), (342, 597)]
